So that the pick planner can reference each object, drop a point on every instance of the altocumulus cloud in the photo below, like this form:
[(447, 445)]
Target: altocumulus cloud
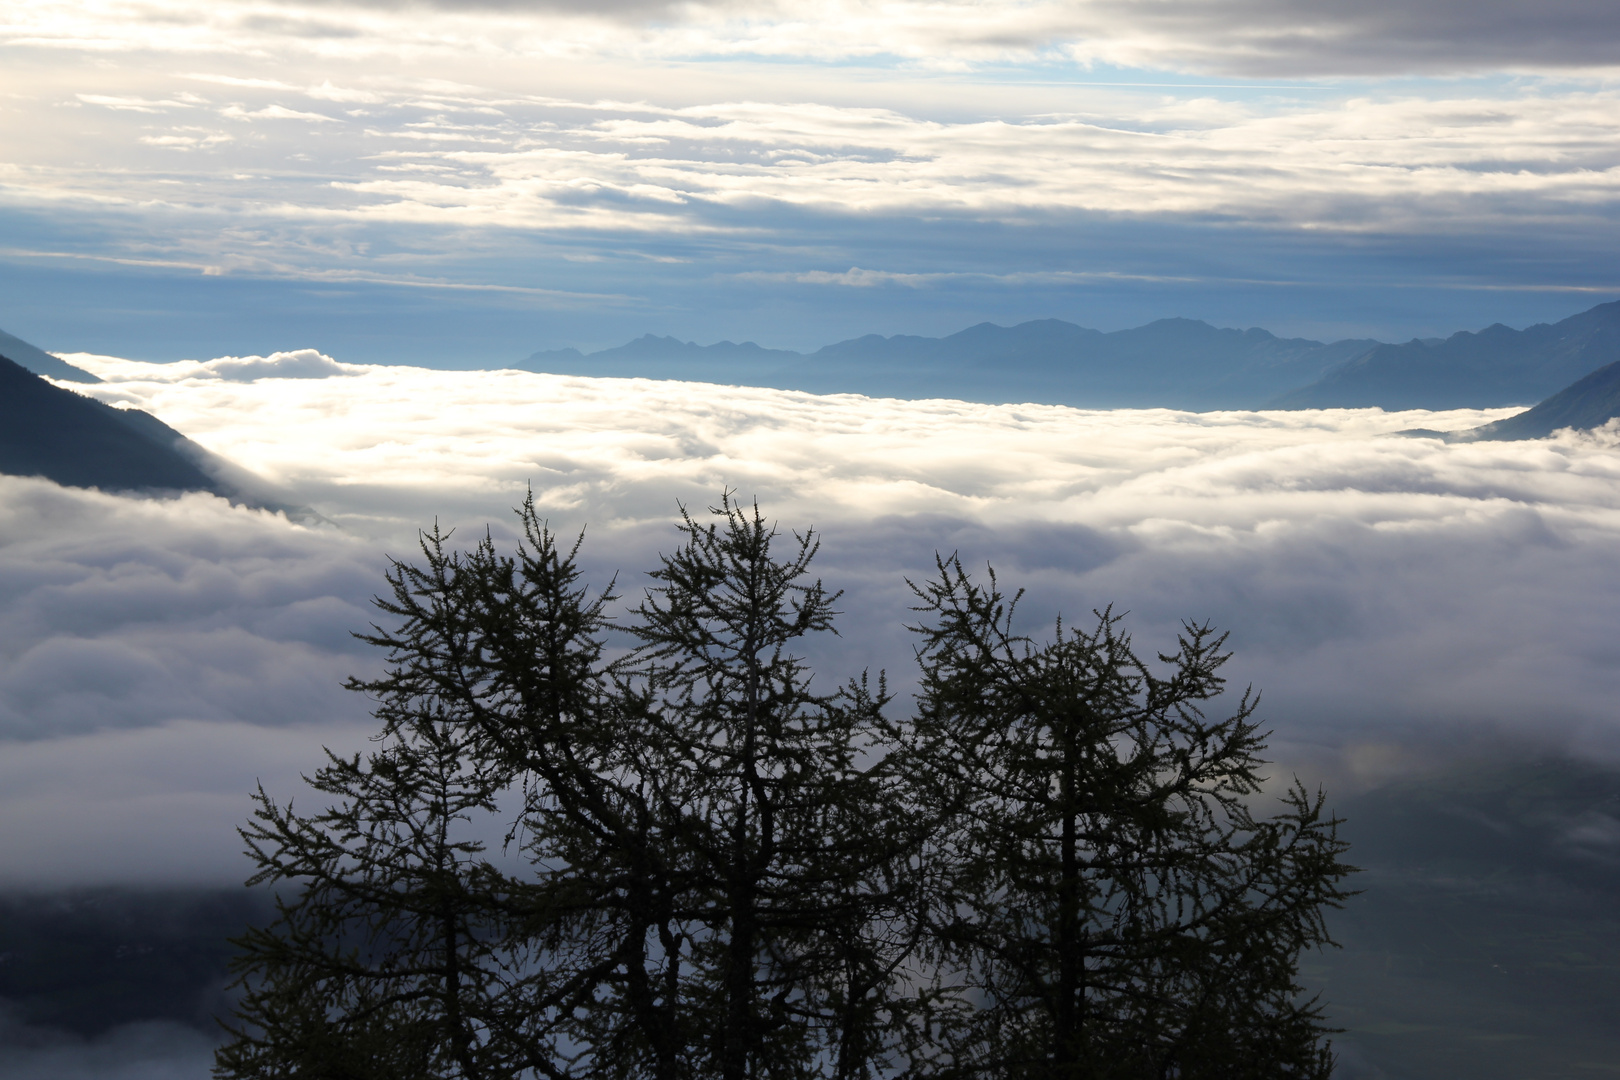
[(1391, 596), (447, 146), (1267, 37), (626, 172)]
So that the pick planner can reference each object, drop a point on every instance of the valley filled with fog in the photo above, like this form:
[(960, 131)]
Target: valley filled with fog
[(1408, 608), (1399, 601)]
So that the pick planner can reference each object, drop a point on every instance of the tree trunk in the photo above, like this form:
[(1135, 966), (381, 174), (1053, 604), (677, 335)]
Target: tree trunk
[(1070, 1018)]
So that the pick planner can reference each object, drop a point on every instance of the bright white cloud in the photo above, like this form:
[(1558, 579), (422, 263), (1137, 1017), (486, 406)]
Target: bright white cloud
[(273, 112), (1384, 592), (1249, 37), (297, 364), (737, 172)]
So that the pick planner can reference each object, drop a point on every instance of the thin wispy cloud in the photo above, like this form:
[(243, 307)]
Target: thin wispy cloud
[(1169, 151), (1412, 164), (780, 182), (1256, 37)]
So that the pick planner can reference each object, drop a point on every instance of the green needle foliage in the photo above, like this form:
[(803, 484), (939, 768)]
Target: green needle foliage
[(708, 867)]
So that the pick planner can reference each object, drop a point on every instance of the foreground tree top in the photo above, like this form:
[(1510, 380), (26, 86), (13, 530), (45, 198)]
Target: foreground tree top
[(683, 861)]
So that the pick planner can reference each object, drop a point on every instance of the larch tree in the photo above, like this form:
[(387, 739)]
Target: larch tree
[(395, 922), (1114, 908), (383, 961), (684, 860), (791, 914)]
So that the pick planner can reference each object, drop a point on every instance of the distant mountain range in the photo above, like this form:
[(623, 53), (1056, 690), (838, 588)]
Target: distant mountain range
[(1171, 363), (1590, 402), (1497, 366), (1571, 367), (76, 441)]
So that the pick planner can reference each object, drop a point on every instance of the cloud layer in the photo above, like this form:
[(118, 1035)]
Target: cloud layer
[(151, 1051), (700, 167), (1251, 37), (735, 172), (1392, 597)]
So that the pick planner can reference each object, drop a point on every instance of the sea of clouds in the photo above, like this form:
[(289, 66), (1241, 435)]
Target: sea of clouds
[(1395, 598)]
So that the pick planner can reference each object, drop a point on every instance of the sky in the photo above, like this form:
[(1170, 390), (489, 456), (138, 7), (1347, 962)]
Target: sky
[(462, 184), (293, 230)]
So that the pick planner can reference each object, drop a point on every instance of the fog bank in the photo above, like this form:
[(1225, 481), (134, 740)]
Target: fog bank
[(1395, 599)]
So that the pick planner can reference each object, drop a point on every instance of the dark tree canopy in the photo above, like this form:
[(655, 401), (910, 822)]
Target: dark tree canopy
[(1112, 902), (682, 860)]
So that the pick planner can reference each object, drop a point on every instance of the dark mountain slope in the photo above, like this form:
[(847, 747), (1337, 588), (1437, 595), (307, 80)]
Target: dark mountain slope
[(1590, 402), (1497, 366), (40, 362), (73, 440)]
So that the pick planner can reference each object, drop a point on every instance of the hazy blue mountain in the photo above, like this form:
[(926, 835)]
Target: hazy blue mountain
[(1590, 402), (41, 362), (1173, 363), (1494, 367), (1177, 363), (71, 439)]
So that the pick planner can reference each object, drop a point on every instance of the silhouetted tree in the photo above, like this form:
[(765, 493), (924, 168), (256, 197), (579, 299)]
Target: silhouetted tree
[(708, 867), (401, 949), (791, 912), (1113, 906), (381, 963)]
